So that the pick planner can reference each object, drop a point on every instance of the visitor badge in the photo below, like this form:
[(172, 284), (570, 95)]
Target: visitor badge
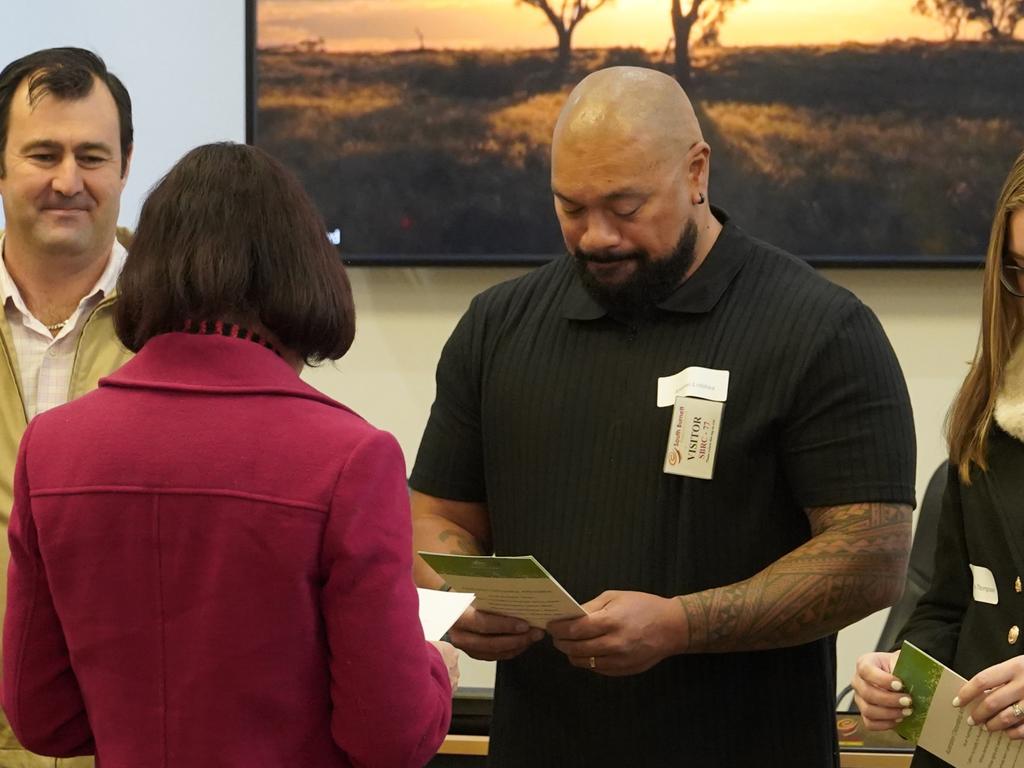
[(693, 382), (985, 590), (693, 437)]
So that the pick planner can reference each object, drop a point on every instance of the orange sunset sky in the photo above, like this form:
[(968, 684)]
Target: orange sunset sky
[(382, 25)]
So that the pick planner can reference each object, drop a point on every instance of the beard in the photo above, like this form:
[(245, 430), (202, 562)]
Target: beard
[(653, 280)]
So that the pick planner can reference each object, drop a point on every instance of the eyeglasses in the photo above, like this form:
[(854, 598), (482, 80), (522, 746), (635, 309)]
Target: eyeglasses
[(1011, 277)]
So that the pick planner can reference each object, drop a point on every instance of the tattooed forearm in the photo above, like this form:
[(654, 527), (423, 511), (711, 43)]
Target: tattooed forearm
[(432, 536), (458, 542), (441, 525), (854, 565)]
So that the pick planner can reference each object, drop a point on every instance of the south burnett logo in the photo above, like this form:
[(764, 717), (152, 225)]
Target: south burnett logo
[(675, 455)]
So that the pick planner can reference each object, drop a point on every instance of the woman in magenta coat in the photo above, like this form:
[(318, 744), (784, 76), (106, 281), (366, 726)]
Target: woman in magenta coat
[(211, 561)]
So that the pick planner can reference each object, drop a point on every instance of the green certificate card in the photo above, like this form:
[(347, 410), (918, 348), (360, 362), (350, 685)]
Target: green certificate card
[(511, 586)]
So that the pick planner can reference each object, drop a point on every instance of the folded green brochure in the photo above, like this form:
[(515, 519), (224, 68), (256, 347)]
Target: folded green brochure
[(510, 586)]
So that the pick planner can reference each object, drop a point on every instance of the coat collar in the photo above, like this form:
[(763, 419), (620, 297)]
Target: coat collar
[(1002, 483), (697, 295), (185, 362), (105, 285)]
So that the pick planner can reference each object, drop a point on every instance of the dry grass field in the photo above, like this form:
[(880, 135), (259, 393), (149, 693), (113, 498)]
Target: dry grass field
[(867, 150)]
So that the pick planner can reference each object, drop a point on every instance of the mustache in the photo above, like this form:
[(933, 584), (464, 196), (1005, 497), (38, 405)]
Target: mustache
[(607, 258), (76, 203)]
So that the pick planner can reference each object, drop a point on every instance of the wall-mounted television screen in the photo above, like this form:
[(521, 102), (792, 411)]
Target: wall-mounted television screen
[(843, 131)]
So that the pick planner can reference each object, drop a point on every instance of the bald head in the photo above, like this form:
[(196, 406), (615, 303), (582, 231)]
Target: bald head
[(629, 177), (628, 106)]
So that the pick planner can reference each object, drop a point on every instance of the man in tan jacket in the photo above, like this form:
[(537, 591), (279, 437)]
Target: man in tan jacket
[(65, 150)]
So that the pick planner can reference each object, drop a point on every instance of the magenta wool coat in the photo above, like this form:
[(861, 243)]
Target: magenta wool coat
[(211, 566)]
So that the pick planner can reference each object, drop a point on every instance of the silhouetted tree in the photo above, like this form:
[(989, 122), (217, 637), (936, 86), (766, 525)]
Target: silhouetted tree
[(999, 18), (311, 45), (564, 16), (704, 17)]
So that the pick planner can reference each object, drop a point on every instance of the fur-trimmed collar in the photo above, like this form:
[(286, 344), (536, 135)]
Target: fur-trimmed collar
[(1009, 410)]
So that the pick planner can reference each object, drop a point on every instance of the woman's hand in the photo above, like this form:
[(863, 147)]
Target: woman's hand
[(998, 691), (879, 695), (450, 654)]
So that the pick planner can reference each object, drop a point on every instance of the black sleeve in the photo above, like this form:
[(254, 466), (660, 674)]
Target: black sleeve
[(934, 626), (449, 463), (849, 435)]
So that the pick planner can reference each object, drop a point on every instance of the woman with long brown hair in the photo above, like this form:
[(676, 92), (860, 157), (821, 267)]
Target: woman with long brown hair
[(212, 561), (970, 617)]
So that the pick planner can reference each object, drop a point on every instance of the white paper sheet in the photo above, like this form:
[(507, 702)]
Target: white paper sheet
[(439, 610)]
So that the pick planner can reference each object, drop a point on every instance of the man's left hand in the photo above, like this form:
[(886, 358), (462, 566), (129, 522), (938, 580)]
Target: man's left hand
[(624, 633)]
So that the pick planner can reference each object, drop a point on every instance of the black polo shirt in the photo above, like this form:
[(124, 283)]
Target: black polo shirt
[(546, 410)]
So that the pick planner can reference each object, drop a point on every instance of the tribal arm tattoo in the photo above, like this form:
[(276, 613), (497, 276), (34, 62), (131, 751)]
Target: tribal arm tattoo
[(854, 564), (458, 542)]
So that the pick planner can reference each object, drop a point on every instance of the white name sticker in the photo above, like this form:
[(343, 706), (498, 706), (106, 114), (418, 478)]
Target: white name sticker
[(693, 437), (693, 382), (985, 590)]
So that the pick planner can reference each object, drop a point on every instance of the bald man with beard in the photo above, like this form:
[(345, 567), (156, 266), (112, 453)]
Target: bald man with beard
[(705, 441)]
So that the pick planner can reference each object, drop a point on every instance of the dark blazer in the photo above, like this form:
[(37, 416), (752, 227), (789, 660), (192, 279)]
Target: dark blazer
[(982, 524), (212, 566)]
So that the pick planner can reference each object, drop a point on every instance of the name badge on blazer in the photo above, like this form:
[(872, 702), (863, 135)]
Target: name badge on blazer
[(985, 590)]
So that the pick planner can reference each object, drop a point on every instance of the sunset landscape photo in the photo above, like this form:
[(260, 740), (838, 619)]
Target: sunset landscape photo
[(860, 128)]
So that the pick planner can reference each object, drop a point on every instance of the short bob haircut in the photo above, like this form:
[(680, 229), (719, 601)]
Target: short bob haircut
[(229, 234), (67, 74)]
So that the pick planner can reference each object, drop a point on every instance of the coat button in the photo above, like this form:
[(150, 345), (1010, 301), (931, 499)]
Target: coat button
[(1016, 585), (1013, 634)]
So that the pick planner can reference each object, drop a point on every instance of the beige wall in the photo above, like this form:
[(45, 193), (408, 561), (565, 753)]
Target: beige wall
[(931, 318), (405, 316)]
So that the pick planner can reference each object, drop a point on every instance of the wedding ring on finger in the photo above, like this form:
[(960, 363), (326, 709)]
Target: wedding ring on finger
[(1017, 710), (593, 665)]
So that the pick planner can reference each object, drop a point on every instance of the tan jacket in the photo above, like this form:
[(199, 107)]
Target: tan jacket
[(99, 352)]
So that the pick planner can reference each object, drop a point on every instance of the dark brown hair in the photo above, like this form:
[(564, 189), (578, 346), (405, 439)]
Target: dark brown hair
[(229, 234), (67, 74)]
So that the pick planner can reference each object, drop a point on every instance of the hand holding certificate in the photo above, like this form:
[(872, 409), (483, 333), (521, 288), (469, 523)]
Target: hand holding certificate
[(939, 727), (516, 598)]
